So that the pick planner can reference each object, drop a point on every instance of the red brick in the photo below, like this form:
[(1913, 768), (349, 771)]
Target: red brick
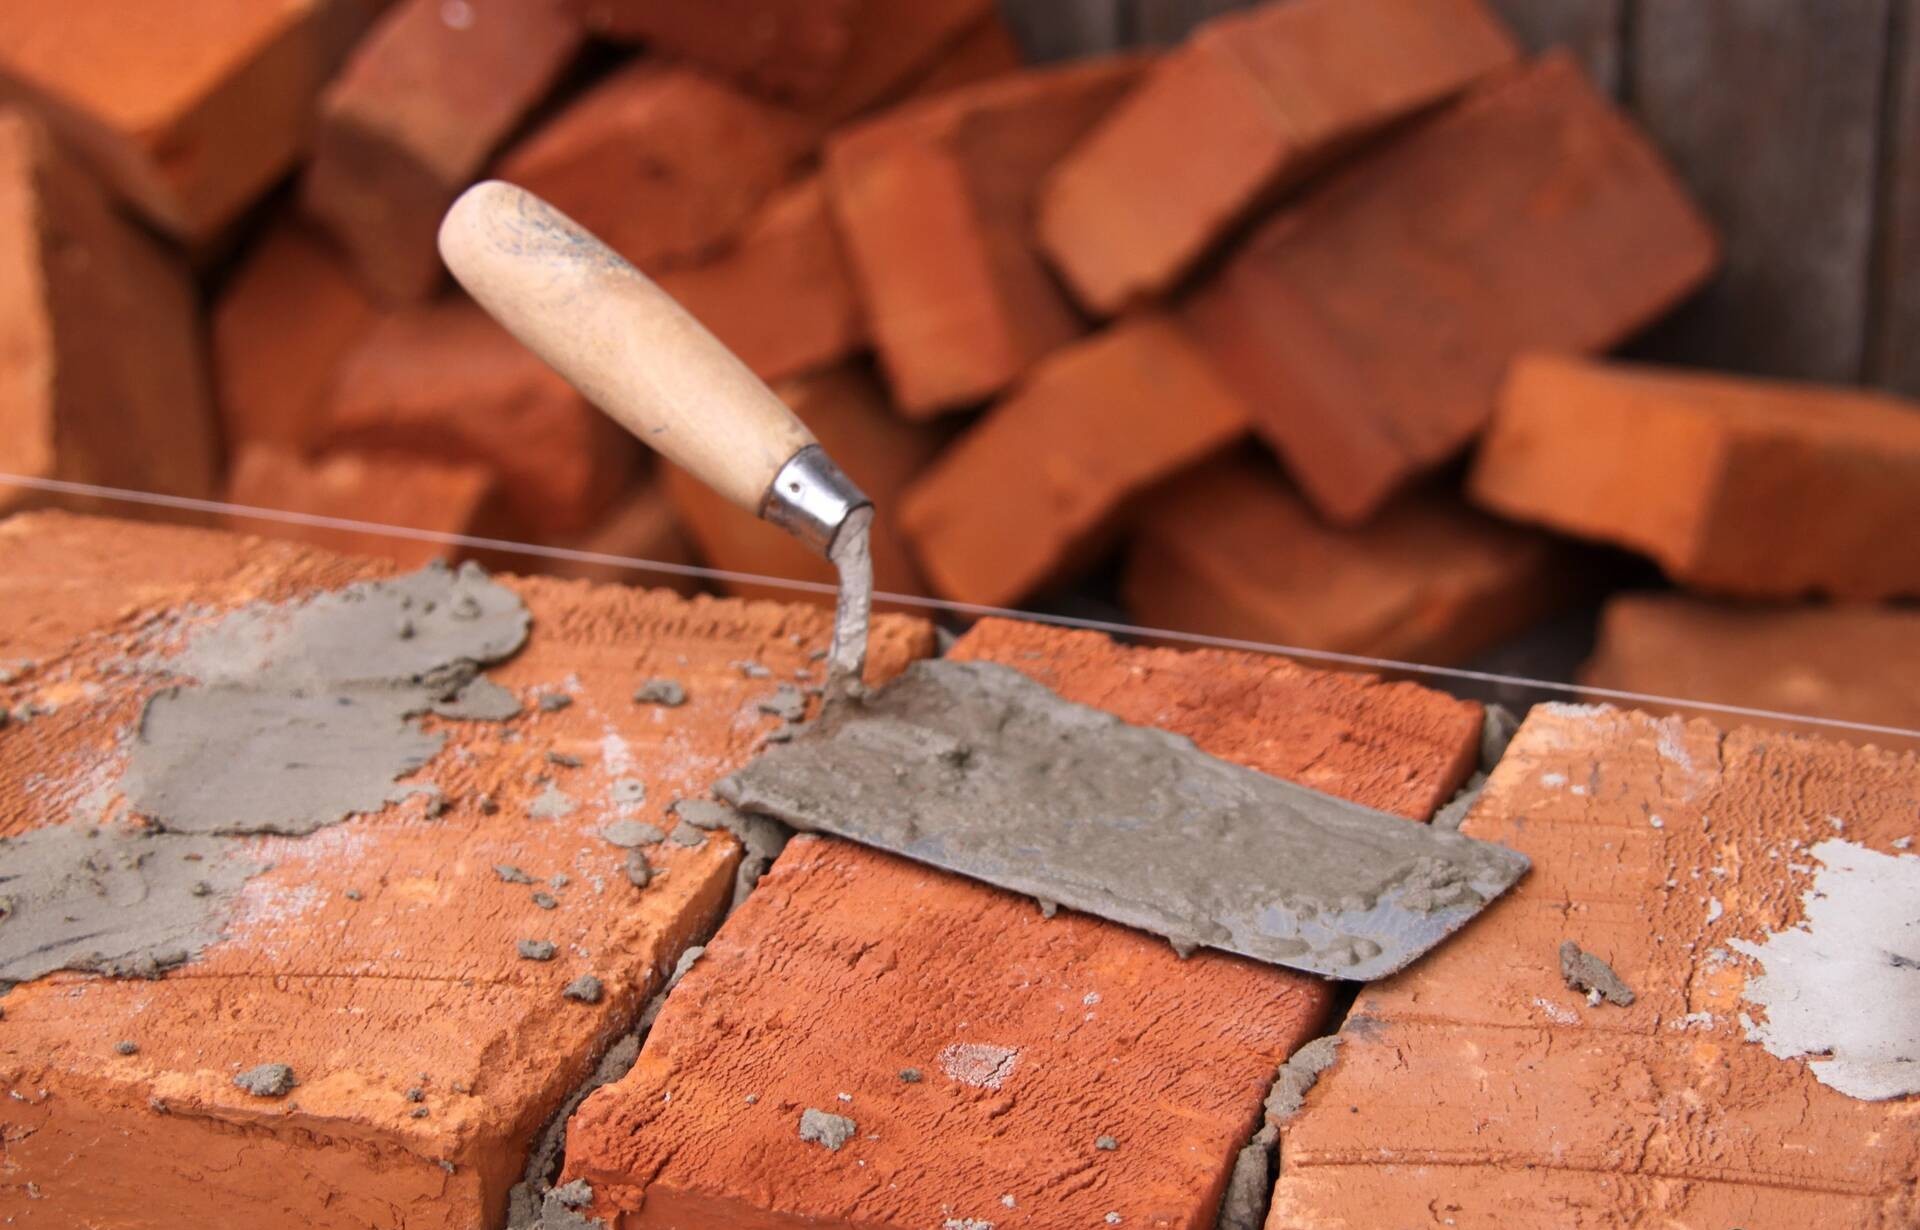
[(847, 966), (1282, 88), (782, 298), (902, 48), (985, 51), (1738, 486), (102, 375), (935, 202), (359, 997), (190, 110), (415, 493), (1855, 663), (422, 104), (1476, 1089), (1038, 487), (664, 163), (640, 526), (446, 382), (1232, 550), (794, 48), (286, 319), (1369, 326), (846, 410)]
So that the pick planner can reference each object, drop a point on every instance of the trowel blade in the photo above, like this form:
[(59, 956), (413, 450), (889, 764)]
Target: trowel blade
[(975, 768)]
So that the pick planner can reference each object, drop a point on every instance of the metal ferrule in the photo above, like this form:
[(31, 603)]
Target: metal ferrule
[(811, 498)]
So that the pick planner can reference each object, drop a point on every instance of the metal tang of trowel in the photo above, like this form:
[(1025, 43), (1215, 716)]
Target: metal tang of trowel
[(971, 766)]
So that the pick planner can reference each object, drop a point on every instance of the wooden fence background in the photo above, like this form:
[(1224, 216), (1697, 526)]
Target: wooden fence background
[(1797, 122)]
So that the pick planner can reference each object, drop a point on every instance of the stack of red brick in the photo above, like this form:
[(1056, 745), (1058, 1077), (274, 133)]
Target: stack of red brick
[(1237, 308)]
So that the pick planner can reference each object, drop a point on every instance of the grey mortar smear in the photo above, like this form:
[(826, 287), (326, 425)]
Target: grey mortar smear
[(821, 1128), (853, 608), (1582, 971), (974, 767), (126, 902), (1842, 989), (303, 713)]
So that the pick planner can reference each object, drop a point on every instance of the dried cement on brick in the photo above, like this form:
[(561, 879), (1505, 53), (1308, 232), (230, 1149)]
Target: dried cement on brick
[(1582, 971), (303, 713), (113, 901), (974, 767), (821, 1128), (1842, 989), (1299, 1075)]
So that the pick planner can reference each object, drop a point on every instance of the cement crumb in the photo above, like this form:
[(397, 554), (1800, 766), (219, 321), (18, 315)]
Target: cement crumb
[(563, 760), (639, 874), (1106, 1143), (585, 989), (1047, 908), (1250, 1186), (510, 874), (575, 1195), (268, 1080), (558, 880), (552, 803), (545, 900), (1842, 989), (704, 813), (1582, 971), (1298, 1075), (966, 1223), (305, 713), (821, 1128), (666, 692), (554, 702), (128, 1047), (353, 894), (631, 834), (910, 1076), (536, 950), (687, 834), (416, 1094), (752, 670), (787, 702)]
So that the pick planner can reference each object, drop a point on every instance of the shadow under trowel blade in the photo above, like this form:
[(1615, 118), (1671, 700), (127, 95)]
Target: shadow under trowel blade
[(973, 767)]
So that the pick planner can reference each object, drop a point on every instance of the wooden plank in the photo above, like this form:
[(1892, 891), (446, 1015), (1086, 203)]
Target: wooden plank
[(1061, 29), (1590, 28), (1771, 111), (1167, 21), (1895, 361)]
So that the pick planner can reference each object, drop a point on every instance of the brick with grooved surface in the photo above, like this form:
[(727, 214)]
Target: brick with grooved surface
[(1369, 325), (1283, 88), (1034, 1037), (1475, 1089), (445, 381), (1232, 550), (424, 101), (190, 110), (1739, 486), (1855, 662), (377, 955), (286, 319), (102, 375), (663, 162), (1037, 488), (934, 200)]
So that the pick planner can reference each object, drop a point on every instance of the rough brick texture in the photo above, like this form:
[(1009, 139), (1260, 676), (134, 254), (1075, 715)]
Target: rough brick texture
[(1232, 550), (190, 110), (1738, 486), (846, 410), (1249, 106), (664, 163), (935, 201), (986, 50), (361, 997), (445, 381), (1033, 1037), (401, 491), (901, 48), (789, 47), (1037, 488), (1531, 215), (782, 299), (1476, 1090), (422, 104), (1855, 663), (102, 376), (288, 316), (640, 525)]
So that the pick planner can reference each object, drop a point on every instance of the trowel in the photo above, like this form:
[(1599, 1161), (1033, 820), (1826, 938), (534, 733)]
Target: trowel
[(971, 766)]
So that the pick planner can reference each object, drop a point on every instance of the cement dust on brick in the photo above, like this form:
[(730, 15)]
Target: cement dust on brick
[(304, 713), (114, 901), (974, 767), (1841, 989)]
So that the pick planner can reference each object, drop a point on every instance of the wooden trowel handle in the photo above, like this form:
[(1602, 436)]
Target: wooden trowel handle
[(621, 340)]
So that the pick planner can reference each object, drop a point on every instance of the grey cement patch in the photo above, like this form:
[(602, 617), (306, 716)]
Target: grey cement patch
[(1298, 1075), (267, 1080), (535, 950), (638, 872), (552, 803), (1250, 1186), (853, 609), (510, 874), (973, 767), (126, 902), (630, 834), (786, 702), (304, 713), (585, 989), (704, 813), (483, 700), (1842, 989), (688, 835), (821, 1128), (1582, 971), (667, 692)]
